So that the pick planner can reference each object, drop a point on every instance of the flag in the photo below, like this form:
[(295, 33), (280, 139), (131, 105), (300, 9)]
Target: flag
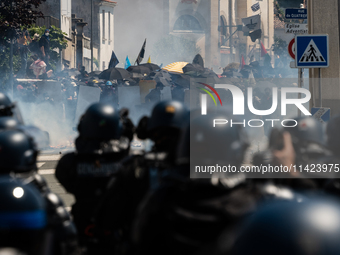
[(149, 60), (252, 81), (255, 7), (263, 50), (251, 52), (127, 62), (242, 63), (161, 66), (113, 61), (141, 54), (255, 35), (251, 23)]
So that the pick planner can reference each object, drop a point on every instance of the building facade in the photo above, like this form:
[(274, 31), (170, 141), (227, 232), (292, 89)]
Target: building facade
[(213, 24), (324, 18), (103, 30)]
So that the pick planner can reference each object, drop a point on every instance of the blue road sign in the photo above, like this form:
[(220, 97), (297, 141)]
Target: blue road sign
[(311, 51), (321, 114), (296, 14)]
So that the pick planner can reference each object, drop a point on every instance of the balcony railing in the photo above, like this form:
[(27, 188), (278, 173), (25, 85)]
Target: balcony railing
[(47, 21), (87, 43)]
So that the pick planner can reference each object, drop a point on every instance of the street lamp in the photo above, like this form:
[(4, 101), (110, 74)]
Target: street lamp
[(91, 35)]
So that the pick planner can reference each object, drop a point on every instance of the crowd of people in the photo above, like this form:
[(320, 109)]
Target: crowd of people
[(146, 202)]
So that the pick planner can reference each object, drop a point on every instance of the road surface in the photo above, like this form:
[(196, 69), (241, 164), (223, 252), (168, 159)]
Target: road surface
[(47, 162)]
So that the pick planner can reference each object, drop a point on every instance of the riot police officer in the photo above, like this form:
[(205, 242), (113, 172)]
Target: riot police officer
[(299, 145), (139, 173), (23, 217), (9, 109), (288, 228), (182, 215), (18, 157), (86, 172)]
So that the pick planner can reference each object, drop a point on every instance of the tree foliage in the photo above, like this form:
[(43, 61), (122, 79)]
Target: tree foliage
[(173, 48), (290, 3), (57, 36), (280, 47), (57, 41), (15, 14)]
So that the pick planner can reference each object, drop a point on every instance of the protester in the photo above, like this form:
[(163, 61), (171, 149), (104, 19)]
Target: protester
[(23, 42), (34, 45), (155, 95), (44, 45)]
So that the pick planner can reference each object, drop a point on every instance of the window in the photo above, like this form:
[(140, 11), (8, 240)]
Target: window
[(109, 26), (103, 25), (187, 22), (224, 31), (104, 65)]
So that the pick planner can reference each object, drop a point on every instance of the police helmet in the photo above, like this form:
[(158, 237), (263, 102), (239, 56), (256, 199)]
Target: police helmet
[(10, 251), (101, 121), (8, 123), (310, 227), (18, 152), (306, 130), (214, 143), (6, 106), (23, 216), (168, 114)]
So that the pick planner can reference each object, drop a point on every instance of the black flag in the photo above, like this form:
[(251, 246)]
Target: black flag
[(114, 60), (141, 54), (255, 35)]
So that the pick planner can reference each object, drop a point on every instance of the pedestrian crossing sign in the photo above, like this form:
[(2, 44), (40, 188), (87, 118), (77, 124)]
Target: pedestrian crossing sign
[(312, 51), (321, 114)]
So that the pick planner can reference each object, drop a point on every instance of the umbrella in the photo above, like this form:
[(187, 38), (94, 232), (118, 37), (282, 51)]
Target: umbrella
[(139, 69), (176, 67), (69, 72), (95, 73), (160, 74), (198, 60), (73, 72), (193, 68), (181, 80), (114, 74), (152, 67)]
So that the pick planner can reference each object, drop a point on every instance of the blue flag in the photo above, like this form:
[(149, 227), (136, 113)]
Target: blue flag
[(161, 66), (127, 62), (113, 61)]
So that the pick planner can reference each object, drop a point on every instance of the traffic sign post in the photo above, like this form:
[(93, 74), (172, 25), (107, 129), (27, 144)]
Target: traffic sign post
[(291, 48), (312, 52), (321, 114), (296, 13), (296, 28), (291, 51)]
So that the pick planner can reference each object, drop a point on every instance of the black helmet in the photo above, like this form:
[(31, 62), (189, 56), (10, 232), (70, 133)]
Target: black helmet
[(10, 251), (307, 130), (168, 114), (223, 144), (8, 123), (18, 152), (6, 106), (101, 121), (23, 216), (311, 227)]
